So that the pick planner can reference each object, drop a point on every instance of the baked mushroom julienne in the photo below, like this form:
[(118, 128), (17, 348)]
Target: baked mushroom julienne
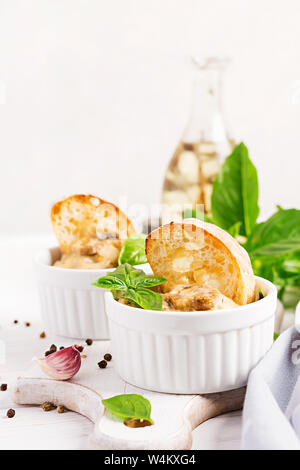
[(196, 266), (134, 288), (90, 232), (191, 298), (95, 254)]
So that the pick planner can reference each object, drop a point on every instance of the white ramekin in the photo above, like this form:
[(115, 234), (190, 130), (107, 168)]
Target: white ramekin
[(191, 352), (70, 305)]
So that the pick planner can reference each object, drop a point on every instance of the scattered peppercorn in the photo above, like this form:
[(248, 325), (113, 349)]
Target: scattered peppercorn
[(47, 406), (102, 364), (43, 335), (89, 341), (16, 321), (11, 413), (47, 353), (3, 387), (53, 348), (107, 357), (61, 348), (27, 323), (79, 348), (60, 409)]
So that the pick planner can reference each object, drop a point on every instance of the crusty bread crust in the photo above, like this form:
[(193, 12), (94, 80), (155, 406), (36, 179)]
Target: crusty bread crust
[(81, 218), (196, 252)]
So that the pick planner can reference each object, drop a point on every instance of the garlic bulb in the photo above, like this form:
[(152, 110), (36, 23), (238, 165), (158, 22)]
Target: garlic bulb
[(61, 365)]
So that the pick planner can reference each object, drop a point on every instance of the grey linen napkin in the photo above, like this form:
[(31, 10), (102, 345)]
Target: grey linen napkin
[(273, 393)]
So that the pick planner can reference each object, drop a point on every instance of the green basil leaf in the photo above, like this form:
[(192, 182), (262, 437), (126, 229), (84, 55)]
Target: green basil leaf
[(150, 281), (291, 265), (261, 295), (133, 250), (128, 270), (283, 225), (196, 214), (130, 406), (274, 248), (129, 273), (119, 279), (284, 272), (235, 192), (291, 296), (110, 282), (117, 294), (145, 298), (234, 230), (280, 248), (293, 281), (132, 284), (148, 299)]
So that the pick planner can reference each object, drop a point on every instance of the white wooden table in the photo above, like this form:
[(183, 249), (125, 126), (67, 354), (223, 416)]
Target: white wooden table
[(32, 428)]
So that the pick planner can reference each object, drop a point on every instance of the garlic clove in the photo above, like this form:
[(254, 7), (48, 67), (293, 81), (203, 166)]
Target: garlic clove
[(61, 365)]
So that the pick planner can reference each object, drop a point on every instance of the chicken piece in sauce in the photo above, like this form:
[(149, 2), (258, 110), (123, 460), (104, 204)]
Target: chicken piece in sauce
[(189, 298)]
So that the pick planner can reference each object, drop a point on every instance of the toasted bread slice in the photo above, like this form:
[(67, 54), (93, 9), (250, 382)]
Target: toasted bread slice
[(195, 252), (80, 220)]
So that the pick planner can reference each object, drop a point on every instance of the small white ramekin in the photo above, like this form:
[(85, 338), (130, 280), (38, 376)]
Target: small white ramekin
[(191, 352), (70, 305)]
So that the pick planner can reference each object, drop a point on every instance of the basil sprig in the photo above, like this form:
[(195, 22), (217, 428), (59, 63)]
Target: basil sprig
[(273, 245), (235, 193), (129, 406), (133, 284)]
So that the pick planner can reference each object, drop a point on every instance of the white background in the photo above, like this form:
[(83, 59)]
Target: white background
[(95, 94)]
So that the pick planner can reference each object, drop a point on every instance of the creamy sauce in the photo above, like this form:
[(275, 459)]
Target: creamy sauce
[(98, 254), (190, 298)]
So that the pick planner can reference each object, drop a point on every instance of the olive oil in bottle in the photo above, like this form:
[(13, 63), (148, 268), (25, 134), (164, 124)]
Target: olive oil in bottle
[(204, 146)]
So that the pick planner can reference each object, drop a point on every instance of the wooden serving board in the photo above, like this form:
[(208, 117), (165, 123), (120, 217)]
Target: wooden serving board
[(175, 416)]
